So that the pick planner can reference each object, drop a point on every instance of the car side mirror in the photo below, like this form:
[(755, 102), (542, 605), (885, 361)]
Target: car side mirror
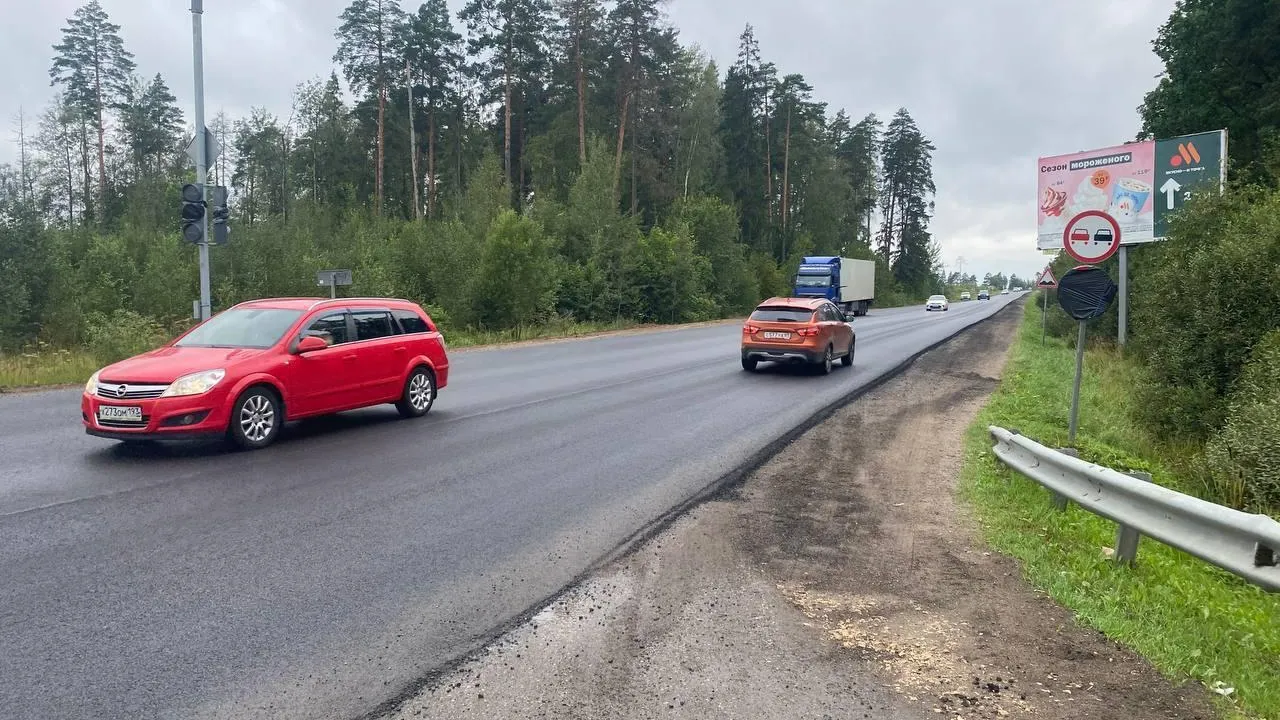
[(310, 343), (849, 316)]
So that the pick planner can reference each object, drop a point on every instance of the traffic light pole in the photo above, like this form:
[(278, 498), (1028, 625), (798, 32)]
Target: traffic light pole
[(202, 159)]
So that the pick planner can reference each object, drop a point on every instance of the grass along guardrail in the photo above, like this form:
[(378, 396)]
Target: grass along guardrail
[(1189, 619)]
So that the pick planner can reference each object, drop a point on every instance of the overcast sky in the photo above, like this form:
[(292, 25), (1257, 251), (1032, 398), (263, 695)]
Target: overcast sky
[(994, 83)]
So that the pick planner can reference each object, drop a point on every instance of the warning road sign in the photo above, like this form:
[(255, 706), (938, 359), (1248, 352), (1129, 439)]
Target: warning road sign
[(1091, 237), (1047, 280)]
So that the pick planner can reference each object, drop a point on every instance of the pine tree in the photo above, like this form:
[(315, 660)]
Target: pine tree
[(150, 125), (94, 70), (859, 153), (369, 52), (634, 33), (434, 52), (906, 201), (509, 38), (742, 133), (581, 20)]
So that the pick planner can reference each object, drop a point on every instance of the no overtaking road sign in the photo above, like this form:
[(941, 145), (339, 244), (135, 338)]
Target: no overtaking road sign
[(1091, 237)]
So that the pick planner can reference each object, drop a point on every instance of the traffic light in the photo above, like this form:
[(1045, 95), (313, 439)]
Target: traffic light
[(219, 213), (193, 213)]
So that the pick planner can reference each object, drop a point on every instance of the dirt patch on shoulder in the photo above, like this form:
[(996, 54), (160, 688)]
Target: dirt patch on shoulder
[(873, 547), (842, 580)]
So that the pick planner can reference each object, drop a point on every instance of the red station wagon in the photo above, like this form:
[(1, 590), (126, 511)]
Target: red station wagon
[(246, 371)]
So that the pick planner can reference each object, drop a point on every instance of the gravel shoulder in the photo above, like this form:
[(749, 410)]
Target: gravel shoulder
[(841, 580)]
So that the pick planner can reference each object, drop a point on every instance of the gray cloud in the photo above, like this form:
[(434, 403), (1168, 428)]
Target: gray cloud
[(994, 83)]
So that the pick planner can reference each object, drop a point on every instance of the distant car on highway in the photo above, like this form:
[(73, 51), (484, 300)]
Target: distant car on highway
[(984, 295), (246, 371), (937, 302), (810, 331), (965, 295), (1004, 291)]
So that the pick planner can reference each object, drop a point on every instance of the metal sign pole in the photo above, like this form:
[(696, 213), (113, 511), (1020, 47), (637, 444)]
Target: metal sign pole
[(333, 288), (1044, 315), (202, 161), (1075, 389), (1122, 331)]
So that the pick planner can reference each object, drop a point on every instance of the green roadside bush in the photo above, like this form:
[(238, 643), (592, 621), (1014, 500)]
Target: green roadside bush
[(1211, 293), (121, 334), (1242, 461)]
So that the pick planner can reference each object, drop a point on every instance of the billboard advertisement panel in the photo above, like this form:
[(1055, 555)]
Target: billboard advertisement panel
[(1115, 180), (1140, 185)]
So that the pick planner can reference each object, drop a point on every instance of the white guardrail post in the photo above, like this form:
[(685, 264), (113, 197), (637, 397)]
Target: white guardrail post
[(1241, 543)]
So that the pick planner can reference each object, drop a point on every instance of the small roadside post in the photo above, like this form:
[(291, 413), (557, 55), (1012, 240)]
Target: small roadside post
[(332, 279), (1046, 282), (1085, 293)]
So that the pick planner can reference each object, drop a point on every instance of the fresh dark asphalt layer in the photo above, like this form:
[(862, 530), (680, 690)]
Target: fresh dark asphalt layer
[(324, 576)]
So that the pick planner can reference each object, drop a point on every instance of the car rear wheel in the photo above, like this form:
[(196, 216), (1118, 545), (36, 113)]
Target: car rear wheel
[(256, 419), (827, 356), (419, 394), (749, 364), (847, 360)]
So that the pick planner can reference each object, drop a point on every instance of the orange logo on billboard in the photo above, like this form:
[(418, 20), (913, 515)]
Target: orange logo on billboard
[(1187, 153)]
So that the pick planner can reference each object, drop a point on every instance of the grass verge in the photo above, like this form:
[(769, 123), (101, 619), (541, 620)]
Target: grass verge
[(1188, 618), (45, 368)]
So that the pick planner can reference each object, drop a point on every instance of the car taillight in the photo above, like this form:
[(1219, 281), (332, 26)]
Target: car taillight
[(750, 329), (807, 331)]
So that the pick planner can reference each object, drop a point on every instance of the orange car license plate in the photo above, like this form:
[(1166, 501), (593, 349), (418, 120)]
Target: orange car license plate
[(777, 336)]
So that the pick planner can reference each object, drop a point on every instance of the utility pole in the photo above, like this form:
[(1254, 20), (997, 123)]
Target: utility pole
[(202, 159)]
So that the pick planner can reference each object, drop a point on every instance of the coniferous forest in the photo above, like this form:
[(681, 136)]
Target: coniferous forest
[(524, 163)]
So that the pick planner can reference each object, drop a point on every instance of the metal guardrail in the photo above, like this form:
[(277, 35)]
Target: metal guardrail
[(1244, 544)]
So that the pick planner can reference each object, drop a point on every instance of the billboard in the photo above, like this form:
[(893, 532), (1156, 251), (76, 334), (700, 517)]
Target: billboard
[(1115, 180), (1140, 185)]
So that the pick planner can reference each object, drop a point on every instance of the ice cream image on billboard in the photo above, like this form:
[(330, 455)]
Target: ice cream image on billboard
[(1128, 197)]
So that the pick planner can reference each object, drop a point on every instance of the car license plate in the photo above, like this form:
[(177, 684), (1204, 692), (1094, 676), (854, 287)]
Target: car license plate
[(777, 336), (120, 413)]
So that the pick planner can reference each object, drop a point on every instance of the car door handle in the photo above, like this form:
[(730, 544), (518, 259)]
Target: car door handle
[(349, 357)]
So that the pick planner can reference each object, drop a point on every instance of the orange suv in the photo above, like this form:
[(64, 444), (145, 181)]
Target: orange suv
[(797, 330)]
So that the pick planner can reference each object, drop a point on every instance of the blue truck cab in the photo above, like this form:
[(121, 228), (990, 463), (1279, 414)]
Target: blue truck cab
[(846, 282)]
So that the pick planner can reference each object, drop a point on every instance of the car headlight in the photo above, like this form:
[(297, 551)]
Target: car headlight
[(195, 383), (91, 387)]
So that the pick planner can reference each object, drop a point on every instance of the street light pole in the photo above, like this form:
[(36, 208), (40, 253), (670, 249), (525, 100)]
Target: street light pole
[(202, 159)]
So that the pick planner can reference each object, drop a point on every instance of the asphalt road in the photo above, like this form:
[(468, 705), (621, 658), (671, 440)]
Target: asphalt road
[(330, 574)]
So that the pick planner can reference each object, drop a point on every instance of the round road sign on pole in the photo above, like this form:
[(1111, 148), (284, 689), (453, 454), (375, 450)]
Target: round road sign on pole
[(1091, 237)]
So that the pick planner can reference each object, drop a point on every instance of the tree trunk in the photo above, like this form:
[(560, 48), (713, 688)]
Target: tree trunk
[(71, 189), (582, 99), (413, 144), (768, 161), (382, 111), (102, 147), (786, 175), (622, 134), (431, 160), (635, 201), (507, 93), (87, 167)]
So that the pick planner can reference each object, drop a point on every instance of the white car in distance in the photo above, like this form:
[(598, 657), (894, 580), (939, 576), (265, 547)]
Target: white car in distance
[(937, 302)]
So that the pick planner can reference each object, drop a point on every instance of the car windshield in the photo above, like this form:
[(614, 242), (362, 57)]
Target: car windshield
[(813, 280), (242, 328), (936, 298), (781, 314)]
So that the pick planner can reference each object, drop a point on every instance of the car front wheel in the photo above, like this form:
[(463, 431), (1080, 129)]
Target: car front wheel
[(419, 394), (847, 360), (256, 419)]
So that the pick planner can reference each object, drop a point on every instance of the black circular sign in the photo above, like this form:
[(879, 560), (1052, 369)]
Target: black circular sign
[(1086, 292)]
